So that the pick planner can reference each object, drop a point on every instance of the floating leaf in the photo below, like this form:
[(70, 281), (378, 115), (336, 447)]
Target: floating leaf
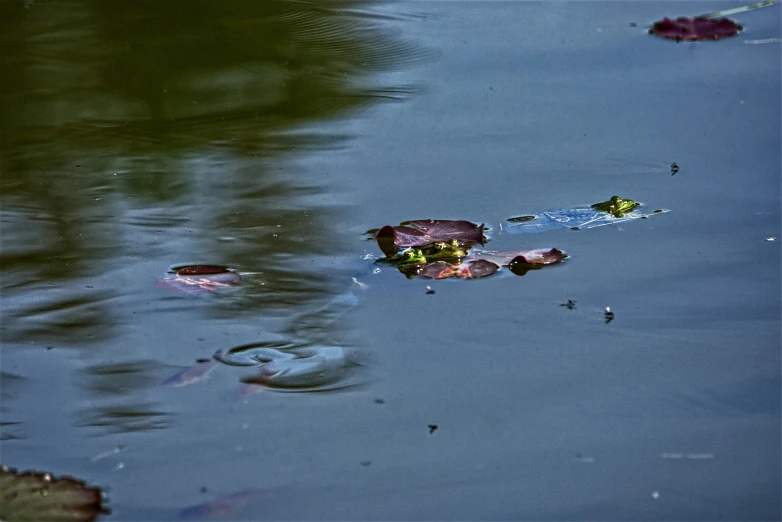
[(692, 29), (202, 270), (34, 495), (196, 279), (468, 270), (534, 257), (485, 263), (426, 232), (711, 26)]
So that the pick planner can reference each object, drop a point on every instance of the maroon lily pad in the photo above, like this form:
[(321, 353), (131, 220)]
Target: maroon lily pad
[(468, 270), (426, 232), (34, 495), (198, 279), (201, 270), (692, 29)]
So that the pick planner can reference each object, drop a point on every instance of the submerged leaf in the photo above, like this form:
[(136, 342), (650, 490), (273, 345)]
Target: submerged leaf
[(692, 29), (34, 495), (615, 210), (196, 279)]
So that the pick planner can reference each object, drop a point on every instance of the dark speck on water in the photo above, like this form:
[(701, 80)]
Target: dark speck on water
[(570, 305)]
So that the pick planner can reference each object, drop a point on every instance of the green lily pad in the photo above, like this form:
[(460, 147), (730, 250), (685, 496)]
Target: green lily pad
[(37, 496)]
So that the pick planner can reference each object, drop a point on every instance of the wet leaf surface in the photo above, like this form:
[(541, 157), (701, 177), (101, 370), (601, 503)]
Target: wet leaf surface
[(201, 270), (426, 232), (692, 29), (38, 496)]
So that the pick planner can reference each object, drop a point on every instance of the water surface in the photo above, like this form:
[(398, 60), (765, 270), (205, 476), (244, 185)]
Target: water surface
[(269, 137)]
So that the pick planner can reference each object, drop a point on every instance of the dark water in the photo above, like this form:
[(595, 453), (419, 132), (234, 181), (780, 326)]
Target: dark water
[(268, 136)]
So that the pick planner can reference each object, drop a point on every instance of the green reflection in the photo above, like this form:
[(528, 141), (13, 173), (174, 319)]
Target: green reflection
[(155, 130)]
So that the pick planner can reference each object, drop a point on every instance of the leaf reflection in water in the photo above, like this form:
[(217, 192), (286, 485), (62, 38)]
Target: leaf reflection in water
[(231, 505), (296, 361), (192, 375)]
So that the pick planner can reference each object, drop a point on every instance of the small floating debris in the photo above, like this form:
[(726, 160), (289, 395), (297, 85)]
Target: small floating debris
[(762, 41), (578, 457), (107, 453), (608, 314)]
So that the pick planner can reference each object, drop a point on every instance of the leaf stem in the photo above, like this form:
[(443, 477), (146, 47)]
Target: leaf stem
[(737, 10)]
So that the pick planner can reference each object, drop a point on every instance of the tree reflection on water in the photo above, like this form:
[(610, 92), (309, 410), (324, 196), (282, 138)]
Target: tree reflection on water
[(137, 131), (138, 135)]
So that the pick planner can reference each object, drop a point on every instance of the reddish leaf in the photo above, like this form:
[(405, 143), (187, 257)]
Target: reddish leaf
[(201, 270), (698, 28), (537, 257), (468, 270), (425, 232)]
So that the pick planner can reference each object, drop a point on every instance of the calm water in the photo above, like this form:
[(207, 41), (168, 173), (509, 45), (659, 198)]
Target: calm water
[(268, 136)]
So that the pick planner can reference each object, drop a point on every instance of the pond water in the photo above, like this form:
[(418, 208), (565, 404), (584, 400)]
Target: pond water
[(269, 136)]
